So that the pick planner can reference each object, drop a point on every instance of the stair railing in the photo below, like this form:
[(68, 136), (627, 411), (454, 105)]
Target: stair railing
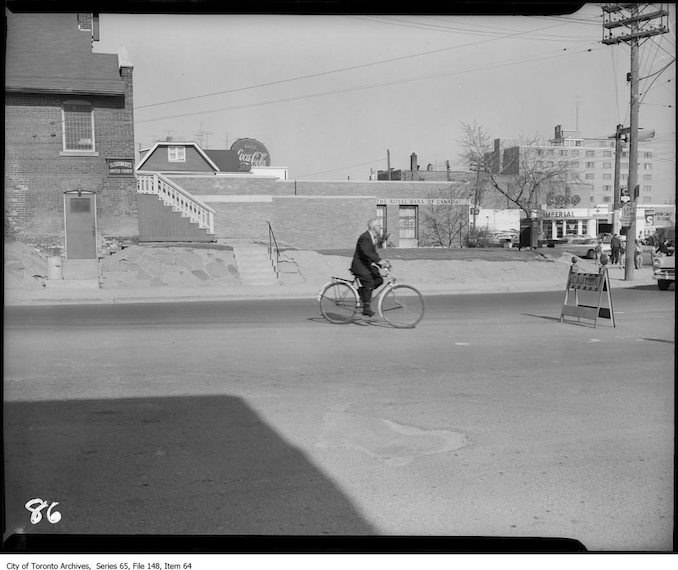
[(273, 244), (175, 196)]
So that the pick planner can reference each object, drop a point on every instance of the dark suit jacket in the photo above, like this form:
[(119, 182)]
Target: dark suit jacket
[(365, 253)]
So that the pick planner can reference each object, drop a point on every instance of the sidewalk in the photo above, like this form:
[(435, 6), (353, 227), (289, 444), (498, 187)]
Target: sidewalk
[(58, 296)]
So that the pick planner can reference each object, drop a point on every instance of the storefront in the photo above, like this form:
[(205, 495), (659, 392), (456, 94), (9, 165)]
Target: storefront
[(408, 221), (561, 222)]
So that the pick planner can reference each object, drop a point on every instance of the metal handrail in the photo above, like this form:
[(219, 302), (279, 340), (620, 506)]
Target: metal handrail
[(271, 242)]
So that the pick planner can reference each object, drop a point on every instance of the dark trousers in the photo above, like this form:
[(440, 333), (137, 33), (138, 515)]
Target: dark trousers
[(615, 255), (370, 280)]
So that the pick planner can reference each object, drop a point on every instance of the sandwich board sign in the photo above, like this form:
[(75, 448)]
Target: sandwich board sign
[(596, 283)]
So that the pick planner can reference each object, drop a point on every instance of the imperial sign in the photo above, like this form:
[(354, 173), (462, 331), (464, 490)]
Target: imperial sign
[(251, 153)]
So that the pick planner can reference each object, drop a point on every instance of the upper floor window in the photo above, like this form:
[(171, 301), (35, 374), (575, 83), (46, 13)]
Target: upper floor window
[(575, 152), (607, 198), (647, 155), (590, 176), (577, 143), (625, 154), (590, 165), (563, 153), (590, 153), (176, 153), (78, 121), (607, 165), (607, 153), (647, 166), (647, 176)]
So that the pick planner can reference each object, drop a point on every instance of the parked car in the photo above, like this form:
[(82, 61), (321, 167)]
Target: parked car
[(581, 246), (664, 270), (498, 239)]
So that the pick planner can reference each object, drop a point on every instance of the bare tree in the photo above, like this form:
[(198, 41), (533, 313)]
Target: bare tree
[(442, 224), (524, 173)]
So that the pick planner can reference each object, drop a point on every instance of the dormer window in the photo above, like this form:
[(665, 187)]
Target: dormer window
[(176, 154)]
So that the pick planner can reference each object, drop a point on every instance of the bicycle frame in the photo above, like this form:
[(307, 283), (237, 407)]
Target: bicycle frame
[(355, 284)]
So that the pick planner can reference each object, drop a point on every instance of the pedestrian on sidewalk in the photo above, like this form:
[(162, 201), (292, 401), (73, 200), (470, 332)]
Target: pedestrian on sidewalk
[(638, 259), (615, 245), (622, 254)]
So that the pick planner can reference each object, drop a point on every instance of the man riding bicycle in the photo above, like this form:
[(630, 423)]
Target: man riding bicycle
[(365, 261)]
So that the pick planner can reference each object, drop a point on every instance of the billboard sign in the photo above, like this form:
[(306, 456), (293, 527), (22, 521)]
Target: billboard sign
[(251, 153)]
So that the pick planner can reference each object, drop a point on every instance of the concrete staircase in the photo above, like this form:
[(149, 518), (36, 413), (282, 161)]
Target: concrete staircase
[(77, 274), (254, 265)]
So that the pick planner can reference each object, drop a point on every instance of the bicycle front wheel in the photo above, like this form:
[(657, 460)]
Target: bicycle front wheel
[(338, 303), (402, 306)]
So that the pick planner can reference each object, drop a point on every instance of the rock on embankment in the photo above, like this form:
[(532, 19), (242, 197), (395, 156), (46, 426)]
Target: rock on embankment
[(180, 266), (25, 267)]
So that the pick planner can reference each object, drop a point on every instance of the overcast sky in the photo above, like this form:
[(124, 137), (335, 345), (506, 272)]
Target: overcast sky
[(329, 94)]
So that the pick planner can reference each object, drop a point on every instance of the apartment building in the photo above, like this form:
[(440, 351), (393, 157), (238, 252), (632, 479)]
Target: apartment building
[(590, 160)]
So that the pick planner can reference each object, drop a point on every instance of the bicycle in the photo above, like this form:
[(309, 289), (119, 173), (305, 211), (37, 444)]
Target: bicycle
[(400, 305)]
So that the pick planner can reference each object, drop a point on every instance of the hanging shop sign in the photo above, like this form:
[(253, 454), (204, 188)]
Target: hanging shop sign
[(251, 153), (120, 166)]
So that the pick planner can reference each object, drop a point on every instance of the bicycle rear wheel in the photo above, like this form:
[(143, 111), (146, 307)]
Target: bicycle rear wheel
[(402, 306), (338, 303)]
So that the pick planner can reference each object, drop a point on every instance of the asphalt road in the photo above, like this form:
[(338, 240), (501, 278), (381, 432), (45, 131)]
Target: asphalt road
[(491, 418)]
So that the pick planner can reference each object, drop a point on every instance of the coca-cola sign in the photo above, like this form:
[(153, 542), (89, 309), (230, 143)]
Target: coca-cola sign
[(251, 153)]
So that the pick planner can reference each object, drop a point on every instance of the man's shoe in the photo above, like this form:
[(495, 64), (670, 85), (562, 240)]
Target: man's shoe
[(368, 313)]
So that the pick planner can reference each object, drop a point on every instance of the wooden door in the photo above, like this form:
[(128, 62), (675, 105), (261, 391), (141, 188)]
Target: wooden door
[(81, 238)]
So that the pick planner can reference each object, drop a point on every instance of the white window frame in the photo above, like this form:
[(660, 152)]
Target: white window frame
[(91, 151), (411, 224), (179, 154)]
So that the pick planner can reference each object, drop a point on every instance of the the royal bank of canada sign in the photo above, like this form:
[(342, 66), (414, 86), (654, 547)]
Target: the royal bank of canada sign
[(251, 153), (423, 201)]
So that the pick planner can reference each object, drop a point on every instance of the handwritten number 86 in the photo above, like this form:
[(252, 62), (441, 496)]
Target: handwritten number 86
[(36, 505)]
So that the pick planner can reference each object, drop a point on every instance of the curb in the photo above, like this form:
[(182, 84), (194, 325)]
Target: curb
[(128, 296)]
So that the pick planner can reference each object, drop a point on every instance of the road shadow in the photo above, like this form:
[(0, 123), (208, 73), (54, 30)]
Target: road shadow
[(661, 340), (545, 317), (172, 465)]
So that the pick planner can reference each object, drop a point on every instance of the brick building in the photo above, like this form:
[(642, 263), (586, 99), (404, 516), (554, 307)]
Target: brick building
[(69, 137)]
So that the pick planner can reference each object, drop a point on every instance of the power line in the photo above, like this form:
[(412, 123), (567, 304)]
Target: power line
[(342, 168), (440, 28), (351, 89), (332, 71)]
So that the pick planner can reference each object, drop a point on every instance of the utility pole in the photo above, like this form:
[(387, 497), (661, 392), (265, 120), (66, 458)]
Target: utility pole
[(477, 168), (629, 16), (388, 163), (621, 134)]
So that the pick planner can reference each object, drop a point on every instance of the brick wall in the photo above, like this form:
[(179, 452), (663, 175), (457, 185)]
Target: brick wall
[(36, 176), (226, 185), (242, 220), (319, 223)]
